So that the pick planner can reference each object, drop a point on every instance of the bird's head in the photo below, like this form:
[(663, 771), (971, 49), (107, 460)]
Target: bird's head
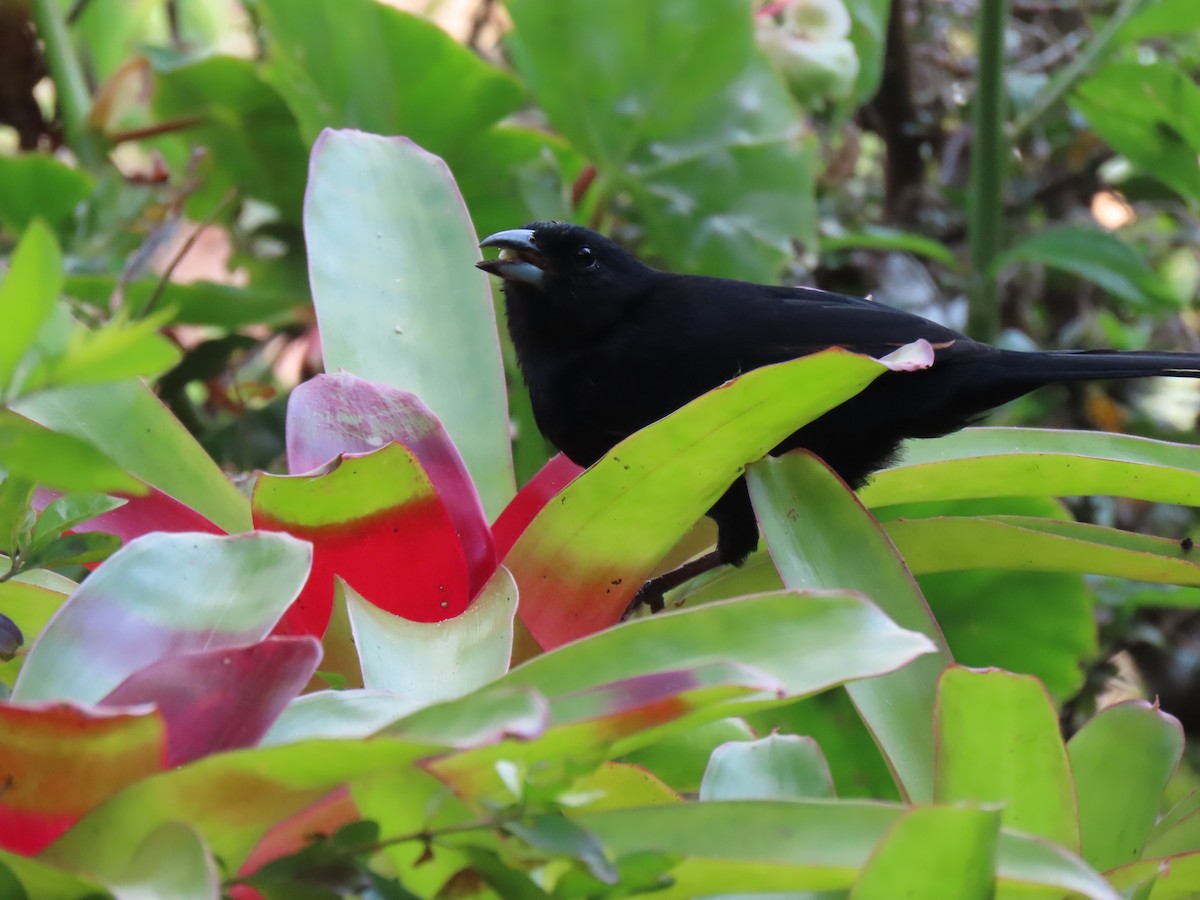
[(564, 281)]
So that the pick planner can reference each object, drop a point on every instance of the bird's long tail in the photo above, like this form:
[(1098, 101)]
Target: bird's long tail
[(1079, 365), (997, 379)]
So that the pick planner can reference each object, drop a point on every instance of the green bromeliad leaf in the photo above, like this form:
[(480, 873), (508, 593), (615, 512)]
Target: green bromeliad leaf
[(821, 537), (584, 556), (999, 742), (391, 258), (1036, 462)]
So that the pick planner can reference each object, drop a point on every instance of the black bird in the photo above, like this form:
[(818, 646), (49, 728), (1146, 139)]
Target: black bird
[(608, 345)]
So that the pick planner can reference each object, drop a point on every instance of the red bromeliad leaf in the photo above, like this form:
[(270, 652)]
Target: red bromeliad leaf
[(334, 414), (295, 832), (59, 761), (541, 489), (154, 511), (230, 799), (376, 521), (221, 699)]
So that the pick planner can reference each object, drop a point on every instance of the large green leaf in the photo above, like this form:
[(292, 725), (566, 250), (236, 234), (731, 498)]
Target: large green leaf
[(1032, 462), (1097, 256), (131, 425), (364, 64), (820, 536), (805, 642), (390, 249), (38, 455), (680, 760), (1178, 831), (27, 295), (810, 845), (37, 185), (1161, 17), (809, 642), (251, 136), (955, 543), (171, 862), (162, 595), (45, 882), (935, 853), (675, 106), (998, 742), (1035, 623), (1122, 760), (1173, 878), (1149, 113), (868, 33), (585, 555)]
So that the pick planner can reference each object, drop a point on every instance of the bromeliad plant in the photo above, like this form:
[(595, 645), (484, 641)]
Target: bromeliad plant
[(166, 731)]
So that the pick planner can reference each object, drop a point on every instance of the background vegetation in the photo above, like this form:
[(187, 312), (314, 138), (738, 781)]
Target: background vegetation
[(188, 189)]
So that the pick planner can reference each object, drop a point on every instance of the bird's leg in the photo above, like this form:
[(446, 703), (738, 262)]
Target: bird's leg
[(652, 591)]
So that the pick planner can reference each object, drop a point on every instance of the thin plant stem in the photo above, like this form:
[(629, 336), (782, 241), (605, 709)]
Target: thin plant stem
[(989, 171), (74, 99)]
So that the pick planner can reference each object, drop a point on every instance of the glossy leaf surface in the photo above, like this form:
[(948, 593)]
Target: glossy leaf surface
[(159, 596), (398, 299)]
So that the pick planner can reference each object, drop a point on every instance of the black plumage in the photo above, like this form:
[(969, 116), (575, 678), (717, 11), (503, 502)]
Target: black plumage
[(608, 345)]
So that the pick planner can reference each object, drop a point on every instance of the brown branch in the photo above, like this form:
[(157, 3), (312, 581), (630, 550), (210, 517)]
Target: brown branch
[(186, 248), (148, 131), (893, 115), (483, 15)]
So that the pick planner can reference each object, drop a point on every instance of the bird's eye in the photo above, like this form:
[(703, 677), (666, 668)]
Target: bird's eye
[(585, 257)]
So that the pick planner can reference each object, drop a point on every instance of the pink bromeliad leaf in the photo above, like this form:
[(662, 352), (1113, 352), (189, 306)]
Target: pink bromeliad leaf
[(376, 521), (157, 597), (342, 413), (221, 699)]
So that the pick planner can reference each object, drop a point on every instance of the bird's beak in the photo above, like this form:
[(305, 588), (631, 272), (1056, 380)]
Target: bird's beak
[(519, 258)]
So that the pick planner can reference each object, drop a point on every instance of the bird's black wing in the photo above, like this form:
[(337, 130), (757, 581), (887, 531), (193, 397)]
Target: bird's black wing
[(688, 335), (771, 324), (719, 329)]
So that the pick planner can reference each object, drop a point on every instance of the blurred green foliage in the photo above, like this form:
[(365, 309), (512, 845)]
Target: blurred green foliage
[(833, 145)]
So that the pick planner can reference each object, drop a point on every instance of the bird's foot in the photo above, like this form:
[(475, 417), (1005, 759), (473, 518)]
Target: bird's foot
[(649, 596), (655, 590)]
